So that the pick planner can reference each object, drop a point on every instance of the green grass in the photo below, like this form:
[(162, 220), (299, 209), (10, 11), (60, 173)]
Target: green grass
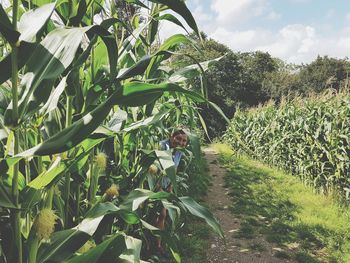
[(310, 227)]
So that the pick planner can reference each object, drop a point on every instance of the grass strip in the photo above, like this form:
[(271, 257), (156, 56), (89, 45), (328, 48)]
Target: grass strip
[(308, 227)]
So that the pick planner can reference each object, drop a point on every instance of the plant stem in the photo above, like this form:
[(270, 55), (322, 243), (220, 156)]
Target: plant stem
[(92, 193), (69, 117), (15, 192), (27, 167), (77, 197)]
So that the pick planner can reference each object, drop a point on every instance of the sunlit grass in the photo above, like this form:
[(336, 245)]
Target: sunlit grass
[(309, 227)]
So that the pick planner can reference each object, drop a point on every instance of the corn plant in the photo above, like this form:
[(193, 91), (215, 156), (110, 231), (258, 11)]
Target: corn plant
[(308, 137), (84, 100)]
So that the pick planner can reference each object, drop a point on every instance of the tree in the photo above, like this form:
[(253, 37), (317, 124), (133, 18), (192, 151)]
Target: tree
[(324, 72)]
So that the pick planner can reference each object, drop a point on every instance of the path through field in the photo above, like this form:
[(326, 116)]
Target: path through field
[(236, 249)]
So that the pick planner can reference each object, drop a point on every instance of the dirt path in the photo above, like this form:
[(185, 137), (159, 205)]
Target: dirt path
[(236, 250)]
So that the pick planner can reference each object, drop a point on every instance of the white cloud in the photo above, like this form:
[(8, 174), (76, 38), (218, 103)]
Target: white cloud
[(330, 13), (273, 16), (294, 43), (230, 13)]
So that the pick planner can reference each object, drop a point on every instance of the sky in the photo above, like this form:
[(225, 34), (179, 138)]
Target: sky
[(293, 30)]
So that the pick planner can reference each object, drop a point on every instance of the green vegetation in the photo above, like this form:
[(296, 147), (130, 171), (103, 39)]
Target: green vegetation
[(84, 101), (305, 226), (309, 138), (194, 235), (243, 80)]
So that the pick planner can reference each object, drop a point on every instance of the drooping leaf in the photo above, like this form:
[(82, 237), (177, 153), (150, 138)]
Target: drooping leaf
[(180, 7), (140, 93), (131, 94), (63, 244), (49, 60), (138, 196), (6, 28), (30, 26), (5, 196), (33, 21), (25, 50), (168, 45), (46, 177), (108, 251), (197, 210), (192, 71), (173, 19), (52, 101)]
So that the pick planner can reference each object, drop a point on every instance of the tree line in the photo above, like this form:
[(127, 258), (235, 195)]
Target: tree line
[(247, 79)]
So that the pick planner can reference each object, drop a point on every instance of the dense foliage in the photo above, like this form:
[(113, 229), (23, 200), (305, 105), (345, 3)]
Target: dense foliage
[(84, 102), (247, 79), (308, 137)]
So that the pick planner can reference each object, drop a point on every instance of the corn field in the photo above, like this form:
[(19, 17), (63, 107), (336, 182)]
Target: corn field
[(87, 91), (307, 137)]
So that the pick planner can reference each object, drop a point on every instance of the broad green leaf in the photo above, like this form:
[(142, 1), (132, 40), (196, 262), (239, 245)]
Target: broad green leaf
[(173, 19), (168, 45), (25, 50), (29, 197), (137, 69), (46, 177), (192, 71), (133, 253), (6, 28), (180, 7), (166, 161), (49, 60), (52, 101), (63, 244), (140, 93), (148, 121), (33, 22), (30, 26), (102, 209), (108, 208), (130, 41), (5, 196), (131, 94), (136, 197), (197, 210), (108, 251)]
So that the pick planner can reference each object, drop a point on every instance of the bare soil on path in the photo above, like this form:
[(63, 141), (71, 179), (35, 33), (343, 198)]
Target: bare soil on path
[(233, 248)]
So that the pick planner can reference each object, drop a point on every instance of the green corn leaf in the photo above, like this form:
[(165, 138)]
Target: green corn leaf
[(197, 210), (25, 50), (169, 45), (192, 71), (6, 27), (30, 26), (46, 177), (108, 251), (180, 7), (64, 243), (173, 19), (5, 196), (32, 22), (49, 60), (136, 197), (131, 94), (109, 208), (140, 93)]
